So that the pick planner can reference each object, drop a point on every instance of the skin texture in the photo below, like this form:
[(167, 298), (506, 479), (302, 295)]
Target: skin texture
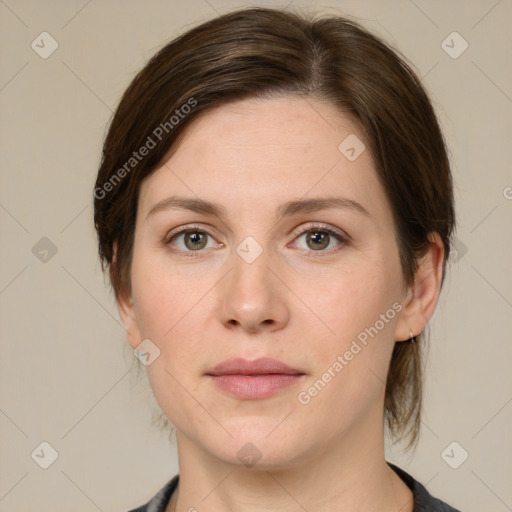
[(301, 302)]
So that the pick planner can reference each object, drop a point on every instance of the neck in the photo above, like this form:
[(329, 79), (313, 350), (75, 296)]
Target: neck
[(343, 478)]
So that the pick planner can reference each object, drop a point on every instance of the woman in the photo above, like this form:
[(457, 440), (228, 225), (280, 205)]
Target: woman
[(275, 208)]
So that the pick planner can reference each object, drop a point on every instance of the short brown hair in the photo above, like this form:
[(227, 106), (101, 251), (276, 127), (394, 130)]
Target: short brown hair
[(260, 52)]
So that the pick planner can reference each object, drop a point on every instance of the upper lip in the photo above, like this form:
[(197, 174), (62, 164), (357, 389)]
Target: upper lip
[(261, 366)]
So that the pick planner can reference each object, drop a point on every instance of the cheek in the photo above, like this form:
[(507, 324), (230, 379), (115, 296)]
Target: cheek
[(351, 365), (344, 303), (163, 298), (170, 308), (359, 311)]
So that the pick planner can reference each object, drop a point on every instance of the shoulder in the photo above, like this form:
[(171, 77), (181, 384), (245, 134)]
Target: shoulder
[(423, 500), (160, 500)]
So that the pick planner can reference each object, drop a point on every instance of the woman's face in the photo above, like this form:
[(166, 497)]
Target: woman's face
[(275, 269)]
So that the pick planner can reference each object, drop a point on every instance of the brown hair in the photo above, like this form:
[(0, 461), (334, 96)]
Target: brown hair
[(260, 52)]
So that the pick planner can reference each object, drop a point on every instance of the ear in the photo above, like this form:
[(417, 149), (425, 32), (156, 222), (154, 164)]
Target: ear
[(421, 299), (127, 313)]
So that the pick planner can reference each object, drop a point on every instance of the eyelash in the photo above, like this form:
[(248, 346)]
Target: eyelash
[(323, 228)]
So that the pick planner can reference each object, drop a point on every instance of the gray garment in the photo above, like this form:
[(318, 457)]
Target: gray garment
[(423, 501)]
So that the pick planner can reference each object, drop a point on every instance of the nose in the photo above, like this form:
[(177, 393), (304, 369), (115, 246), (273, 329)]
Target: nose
[(253, 296)]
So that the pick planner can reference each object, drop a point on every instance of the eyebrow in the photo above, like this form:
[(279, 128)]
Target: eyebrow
[(286, 210)]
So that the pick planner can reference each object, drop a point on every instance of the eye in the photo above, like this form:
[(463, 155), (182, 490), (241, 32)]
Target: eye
[(321, 238), (318, 238), (193, 239)]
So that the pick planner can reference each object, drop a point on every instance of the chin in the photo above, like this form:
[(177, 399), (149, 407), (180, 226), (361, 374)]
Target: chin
[(253, 457), (258, 446)]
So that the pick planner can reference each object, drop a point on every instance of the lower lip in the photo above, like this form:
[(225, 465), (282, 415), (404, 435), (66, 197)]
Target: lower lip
[(255, 386)]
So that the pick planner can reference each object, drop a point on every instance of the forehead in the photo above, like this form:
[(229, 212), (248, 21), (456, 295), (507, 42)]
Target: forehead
[(288, 124), (264, 151)]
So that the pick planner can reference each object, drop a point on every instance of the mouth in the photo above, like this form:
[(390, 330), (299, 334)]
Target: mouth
[(251, 380)]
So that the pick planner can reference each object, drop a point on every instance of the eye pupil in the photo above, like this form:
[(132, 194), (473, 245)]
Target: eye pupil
[(318, 237), (195, 238)]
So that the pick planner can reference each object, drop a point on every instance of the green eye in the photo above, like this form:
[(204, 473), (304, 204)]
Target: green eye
[(319, 238), (193, 239)]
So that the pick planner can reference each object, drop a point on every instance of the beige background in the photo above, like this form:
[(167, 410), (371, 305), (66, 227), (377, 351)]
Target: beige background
[(65, 372)]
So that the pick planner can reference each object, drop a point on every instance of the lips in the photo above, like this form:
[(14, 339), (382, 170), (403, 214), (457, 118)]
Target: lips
[(256, 379), (262, 366)]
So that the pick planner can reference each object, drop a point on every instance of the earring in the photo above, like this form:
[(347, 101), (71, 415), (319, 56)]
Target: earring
[(412, 338)]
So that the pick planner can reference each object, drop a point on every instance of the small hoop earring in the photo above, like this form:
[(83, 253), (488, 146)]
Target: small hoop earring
[(412, 338)]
